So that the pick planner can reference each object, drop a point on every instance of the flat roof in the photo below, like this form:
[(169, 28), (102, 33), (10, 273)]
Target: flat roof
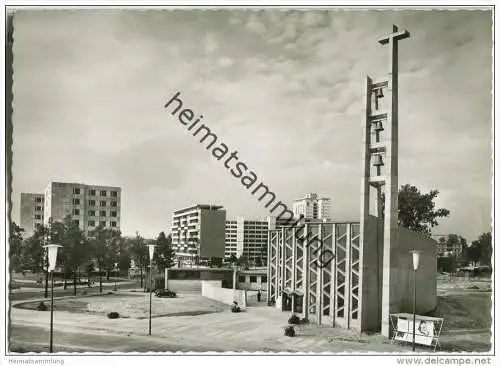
[(200, 206)]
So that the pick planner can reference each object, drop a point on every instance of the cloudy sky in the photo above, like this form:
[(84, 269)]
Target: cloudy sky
[(284, 89)]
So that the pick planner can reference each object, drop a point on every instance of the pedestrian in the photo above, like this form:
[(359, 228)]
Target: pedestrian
[(258, 296)]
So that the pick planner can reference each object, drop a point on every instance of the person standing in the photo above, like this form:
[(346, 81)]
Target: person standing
[(258, 296)]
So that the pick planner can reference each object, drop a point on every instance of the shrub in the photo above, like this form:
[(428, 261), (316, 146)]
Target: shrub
[(294, 319), (290, 331), (41, 306), (113, 315), (473, 287), (84, 292), (110, 293), (235, 308), (304, 321)]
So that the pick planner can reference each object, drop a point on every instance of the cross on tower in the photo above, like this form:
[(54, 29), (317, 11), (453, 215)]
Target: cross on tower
[(396, 35), (392, 39)]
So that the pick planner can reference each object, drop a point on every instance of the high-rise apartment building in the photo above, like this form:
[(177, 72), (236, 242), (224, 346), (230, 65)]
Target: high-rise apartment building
[(312, 207), (199, 231), (88, 205), (31, 212), (248, 238)]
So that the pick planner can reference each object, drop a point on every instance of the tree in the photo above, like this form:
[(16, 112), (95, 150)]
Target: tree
[(258, 262), (105, 242), (481, 250), (74, 249), (15, 248), (124, 255), (233, 259), (34, 255), (164, 255), (416, 210), (33, 252), (139, 253)]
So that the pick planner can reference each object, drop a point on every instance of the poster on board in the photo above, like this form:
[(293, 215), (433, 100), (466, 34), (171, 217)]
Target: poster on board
[(424, 331)]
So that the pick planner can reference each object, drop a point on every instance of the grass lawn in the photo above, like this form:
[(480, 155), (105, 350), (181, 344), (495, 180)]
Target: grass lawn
[(134, 305), (464, 311)]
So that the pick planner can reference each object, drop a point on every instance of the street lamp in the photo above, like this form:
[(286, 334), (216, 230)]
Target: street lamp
[(416, 259), (116, 272), (151, 252), (52, 258)]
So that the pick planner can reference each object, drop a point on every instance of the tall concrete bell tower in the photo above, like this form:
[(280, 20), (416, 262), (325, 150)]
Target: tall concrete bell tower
[(380, 166)]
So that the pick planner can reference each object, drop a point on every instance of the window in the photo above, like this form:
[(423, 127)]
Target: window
[(102, 213), (76, 222), (253, 279), (241, 278), (114, 194), (91, 213), (91, 203), (113, 213), (76, 190), (114, 204), (91, 223), (38, 208), (113, 223), (38, 199), (38, 217), (103, 203), (76, 211), (76, 201), (102, 223), (92, 192), (103, 193), (263, 279)]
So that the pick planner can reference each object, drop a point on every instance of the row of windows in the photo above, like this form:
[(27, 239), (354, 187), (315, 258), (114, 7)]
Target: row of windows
[(103, 203), (38, 217), (92, 192), (38, 199), (101, 213), (38, 208), (253, 279), (92, 223), (77, 201)]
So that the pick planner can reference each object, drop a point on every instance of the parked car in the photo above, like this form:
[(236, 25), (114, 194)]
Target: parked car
[(164, 293)]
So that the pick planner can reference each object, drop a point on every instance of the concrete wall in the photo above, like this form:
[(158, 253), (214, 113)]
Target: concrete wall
[(402, 272), (214, 291), (212, 233), (372, 263), (401, 283), (184, 285)]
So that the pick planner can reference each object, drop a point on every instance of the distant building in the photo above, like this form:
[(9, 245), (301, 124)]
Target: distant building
[(247, 238), (31, 212), (199, 232), (312, 207), (88, 205), (448, 248)]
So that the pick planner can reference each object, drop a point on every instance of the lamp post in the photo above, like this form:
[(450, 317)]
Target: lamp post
[(151, 252), (52, 258), (416, 258), (115, 268)]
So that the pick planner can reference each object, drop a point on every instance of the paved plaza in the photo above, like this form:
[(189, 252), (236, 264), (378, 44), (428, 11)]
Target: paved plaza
[(258, 329)]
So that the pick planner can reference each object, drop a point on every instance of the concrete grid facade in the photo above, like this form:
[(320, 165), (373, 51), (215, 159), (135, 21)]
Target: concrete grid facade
[(32, 212), (88, 205)]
